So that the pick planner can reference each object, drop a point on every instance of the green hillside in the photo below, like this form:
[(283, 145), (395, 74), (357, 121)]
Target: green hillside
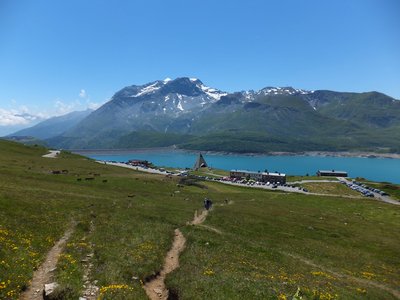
[(254, 244)]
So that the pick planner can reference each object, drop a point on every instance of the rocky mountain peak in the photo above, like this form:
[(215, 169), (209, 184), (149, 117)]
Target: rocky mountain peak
[(288, 90), (191, 87)]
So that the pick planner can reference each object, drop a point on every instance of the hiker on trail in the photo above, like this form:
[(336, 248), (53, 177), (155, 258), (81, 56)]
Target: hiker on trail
[(207, 203)]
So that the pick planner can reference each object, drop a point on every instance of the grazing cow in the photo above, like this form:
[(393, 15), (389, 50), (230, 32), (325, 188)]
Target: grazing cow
[(104, 180), (89, 178), (79, 179)]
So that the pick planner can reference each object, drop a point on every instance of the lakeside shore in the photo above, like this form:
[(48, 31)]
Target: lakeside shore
[(339, 154), (359, 154)]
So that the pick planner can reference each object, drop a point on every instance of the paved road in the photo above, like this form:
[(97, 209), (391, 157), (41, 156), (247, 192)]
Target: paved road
[(377, 196), (147, 170), (52, 154)]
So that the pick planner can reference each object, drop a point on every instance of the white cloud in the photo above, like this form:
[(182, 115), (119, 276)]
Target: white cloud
[(14, 117), (93, 105), (26, 116), (82, 93), (62, 108)]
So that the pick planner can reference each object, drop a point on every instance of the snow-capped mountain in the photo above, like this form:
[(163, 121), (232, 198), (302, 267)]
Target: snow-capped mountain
[(166, 112), (283, 91), (162, 105), (167, 96), (274, 91)]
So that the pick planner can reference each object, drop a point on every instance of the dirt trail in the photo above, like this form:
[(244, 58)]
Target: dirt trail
[(155, 288), (361, 281), (91, 290), (198, 219), (44, 273)]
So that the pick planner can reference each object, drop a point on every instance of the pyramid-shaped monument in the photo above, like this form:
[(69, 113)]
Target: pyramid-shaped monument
[(200, 162)]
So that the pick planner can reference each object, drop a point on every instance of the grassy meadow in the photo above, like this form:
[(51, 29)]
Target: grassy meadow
[(254, 244), (333, 188)]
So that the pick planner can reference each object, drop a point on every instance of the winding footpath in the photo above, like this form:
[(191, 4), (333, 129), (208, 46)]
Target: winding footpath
[(44, 273), (155, 288), (91, 290)]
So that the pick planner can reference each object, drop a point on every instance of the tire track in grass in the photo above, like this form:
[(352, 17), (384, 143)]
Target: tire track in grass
[(362, 281), (43, 275)]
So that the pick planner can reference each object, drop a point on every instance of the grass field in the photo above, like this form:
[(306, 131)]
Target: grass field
[(291, 178), (335, 188), (214, 173), (262, 245)]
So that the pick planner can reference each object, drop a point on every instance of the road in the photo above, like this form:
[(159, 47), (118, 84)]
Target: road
[(52, 154), (377, 196), (147, 170)]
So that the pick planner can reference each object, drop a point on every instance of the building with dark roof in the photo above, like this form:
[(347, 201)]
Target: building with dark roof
[(259, 176), (139, 163), (332, 173)]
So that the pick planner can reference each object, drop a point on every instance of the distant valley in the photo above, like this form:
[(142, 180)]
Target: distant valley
[(188, 114)]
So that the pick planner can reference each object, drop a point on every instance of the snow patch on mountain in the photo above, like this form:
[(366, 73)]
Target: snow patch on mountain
[(283, 91), (148, 89), (179, 106), (213, 93)]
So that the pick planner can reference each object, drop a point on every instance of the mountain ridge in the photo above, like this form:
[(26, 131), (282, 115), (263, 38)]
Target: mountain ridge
[(187, 113), (53, 126)]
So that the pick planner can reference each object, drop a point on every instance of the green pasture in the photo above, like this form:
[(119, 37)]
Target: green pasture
[(254, 244)]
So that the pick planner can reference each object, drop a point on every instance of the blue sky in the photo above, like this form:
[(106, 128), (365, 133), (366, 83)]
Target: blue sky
[(58, 56)]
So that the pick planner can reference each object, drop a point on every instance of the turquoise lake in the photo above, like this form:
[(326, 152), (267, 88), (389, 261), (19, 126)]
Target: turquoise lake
[(376, 169)]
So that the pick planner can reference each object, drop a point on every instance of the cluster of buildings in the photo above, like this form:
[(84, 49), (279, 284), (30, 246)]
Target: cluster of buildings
[(279, 178), (259, 176), (276, 178), (139, 163)]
